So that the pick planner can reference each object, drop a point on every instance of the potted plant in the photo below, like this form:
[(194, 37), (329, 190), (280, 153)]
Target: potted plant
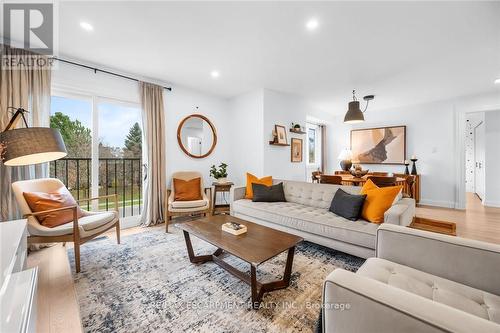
[(220, 173), (296, 127)]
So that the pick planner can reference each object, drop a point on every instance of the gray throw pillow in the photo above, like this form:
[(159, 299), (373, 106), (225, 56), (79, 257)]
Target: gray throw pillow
[(263, 193), (347, 205)]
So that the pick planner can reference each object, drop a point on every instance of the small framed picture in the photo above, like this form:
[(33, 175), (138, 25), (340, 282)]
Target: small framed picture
[(281, 134), (296, 150)]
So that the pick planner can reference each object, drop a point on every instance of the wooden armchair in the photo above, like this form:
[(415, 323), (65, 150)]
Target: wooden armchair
[(315, 176), (383, 181), (329, 179), (183, 208), (81, 230)]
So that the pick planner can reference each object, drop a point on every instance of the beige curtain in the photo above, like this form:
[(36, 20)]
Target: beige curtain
[(27, 87), (323, 148), (153, 123)]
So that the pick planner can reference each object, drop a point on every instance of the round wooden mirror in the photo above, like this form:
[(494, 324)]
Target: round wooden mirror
[(197, 136)]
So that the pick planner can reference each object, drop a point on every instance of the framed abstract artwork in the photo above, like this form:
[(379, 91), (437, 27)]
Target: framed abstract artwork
[(296, 150), (381, 145)]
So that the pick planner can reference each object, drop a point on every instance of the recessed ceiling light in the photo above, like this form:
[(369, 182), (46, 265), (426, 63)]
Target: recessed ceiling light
[(86, 26), (497, 81), (214, 74), (312, 24)]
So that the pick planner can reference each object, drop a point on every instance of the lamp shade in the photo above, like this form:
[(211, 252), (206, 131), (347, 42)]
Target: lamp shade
[(32, 145), (345, 154), (354, 114)]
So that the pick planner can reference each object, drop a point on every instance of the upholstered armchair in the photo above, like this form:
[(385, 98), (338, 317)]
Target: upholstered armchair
[(79, 231), (182, 208)]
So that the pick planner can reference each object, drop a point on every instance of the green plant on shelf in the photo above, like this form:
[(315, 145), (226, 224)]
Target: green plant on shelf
[(220, 172)]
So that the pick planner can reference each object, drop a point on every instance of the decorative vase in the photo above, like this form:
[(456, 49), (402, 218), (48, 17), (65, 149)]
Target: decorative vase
[(414, 166), (345, 165), (222, 180), (407, 172)]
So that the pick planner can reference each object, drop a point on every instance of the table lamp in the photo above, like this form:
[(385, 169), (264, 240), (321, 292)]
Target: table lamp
[(345, 159), (30, 145)]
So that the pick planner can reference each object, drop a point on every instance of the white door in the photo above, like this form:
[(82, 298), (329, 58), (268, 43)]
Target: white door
[(479, 160), (194, 145)]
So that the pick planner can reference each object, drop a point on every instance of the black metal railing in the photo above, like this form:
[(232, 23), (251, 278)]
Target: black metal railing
[(121, 176)]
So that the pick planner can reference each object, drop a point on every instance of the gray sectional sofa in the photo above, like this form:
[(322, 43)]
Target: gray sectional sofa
[(306, 214)]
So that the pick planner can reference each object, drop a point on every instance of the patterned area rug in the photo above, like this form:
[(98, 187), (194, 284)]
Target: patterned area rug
[(147, 284)]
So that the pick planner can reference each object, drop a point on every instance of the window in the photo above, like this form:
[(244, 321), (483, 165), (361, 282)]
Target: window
[(103, 162), (72, 115), (311, 142), (313, 145), (120, 154)]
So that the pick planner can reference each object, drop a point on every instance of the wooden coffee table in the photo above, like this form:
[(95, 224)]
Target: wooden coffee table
[(256, 246)]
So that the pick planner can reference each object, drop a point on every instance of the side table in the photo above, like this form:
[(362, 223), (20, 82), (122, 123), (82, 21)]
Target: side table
[(222, 188)]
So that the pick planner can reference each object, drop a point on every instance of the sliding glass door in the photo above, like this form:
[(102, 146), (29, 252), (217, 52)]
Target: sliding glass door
[(104, 142)]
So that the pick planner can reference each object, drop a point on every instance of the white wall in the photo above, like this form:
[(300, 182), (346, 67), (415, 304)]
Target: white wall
[(246, 137), (283, 109), (492, 158), (181, 102)]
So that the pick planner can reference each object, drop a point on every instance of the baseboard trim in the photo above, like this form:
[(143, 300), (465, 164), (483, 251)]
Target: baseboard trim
[(489, 203), (437, 203)]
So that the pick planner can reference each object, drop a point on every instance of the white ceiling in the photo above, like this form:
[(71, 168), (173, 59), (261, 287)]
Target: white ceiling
[(403, 52)]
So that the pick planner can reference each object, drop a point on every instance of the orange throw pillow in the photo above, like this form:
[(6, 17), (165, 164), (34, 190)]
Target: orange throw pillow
[(378, 201), (251, 179), (187, 190), (40, 201)]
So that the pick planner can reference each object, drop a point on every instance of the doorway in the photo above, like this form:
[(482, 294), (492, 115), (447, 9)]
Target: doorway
[(479, 151)]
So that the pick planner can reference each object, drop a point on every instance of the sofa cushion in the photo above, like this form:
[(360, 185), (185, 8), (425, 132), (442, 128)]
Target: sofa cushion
[(43, 201), (187, 190), (91, 221), (378, 201), (314, 195), (453, 294), (347, 205), (189, 204), (265, 193), (318, 221), (251, 179)]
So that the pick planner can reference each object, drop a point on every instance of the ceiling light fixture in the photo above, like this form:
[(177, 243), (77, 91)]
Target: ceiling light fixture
[(86, 26), (354, 114), (215, 74), (497, 81), (312, 24)]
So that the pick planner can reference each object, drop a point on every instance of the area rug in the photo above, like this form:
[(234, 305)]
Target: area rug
[(147, 284)]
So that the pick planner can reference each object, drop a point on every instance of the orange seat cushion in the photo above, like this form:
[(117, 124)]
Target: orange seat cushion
[(187, 190), (41, 201), (251, 179), (378, 201)]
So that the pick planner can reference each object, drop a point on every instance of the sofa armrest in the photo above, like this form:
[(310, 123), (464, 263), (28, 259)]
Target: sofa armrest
[(354, 303), (237, 193), (401, 213), (470, 262)]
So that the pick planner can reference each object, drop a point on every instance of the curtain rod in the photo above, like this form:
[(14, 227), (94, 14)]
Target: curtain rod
[(101, 70)]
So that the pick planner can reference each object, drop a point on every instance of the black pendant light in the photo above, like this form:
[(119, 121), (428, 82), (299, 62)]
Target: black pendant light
[(354, 113)]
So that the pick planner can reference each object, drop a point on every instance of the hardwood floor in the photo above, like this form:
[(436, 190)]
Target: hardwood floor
[(475, 222), (58, 309)]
